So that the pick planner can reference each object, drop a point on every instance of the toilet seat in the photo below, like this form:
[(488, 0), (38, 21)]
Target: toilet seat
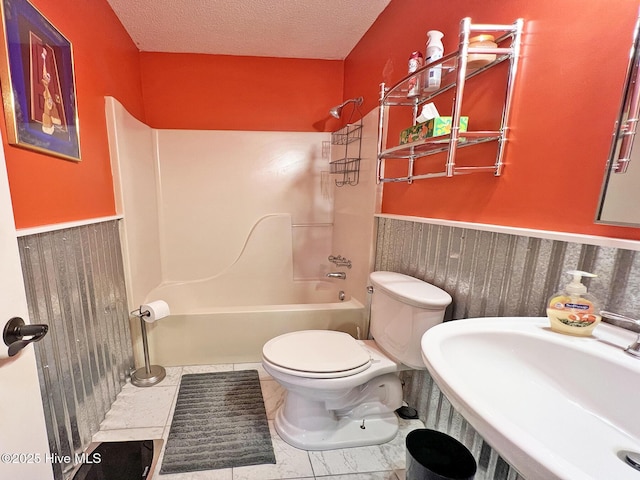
[(316, 354)]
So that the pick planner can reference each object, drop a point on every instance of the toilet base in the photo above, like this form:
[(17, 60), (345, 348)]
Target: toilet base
[(347, 432)]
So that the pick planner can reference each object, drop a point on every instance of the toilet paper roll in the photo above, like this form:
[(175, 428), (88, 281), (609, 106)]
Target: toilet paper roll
[(157, 310)]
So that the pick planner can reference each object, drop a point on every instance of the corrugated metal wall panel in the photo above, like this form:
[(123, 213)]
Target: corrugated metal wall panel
[(74, 280), (495, 274), (422, 393)]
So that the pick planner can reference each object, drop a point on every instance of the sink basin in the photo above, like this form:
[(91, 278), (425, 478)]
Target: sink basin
[(554, 406)]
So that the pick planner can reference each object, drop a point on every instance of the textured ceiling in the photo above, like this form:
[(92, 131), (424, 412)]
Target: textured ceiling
[(321, 29)]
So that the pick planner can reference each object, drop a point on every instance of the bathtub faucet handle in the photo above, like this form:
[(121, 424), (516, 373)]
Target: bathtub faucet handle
[(340, 261)]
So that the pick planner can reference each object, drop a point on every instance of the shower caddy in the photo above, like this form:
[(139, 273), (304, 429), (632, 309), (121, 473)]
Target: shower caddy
[(348, 166), (454, 76)]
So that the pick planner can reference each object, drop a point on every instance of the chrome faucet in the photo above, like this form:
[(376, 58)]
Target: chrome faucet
[(634, 348), (341, 275)]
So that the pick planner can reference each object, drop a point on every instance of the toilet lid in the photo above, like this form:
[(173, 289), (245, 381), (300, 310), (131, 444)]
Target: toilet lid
[(316, 351)]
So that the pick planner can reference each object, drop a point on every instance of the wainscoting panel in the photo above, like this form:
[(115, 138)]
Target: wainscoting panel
[(422, 393), (75, 283), (495, 274)]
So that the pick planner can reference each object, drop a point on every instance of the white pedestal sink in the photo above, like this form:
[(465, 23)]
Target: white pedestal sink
[(554, 406)]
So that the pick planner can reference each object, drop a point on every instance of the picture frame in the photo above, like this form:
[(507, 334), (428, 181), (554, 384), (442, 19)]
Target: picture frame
[(38, 83)]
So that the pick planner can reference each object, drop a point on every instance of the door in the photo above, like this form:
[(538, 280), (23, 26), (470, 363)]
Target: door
[(24, 450)]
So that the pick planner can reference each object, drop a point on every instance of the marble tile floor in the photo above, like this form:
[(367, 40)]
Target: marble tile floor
[(146, 413)]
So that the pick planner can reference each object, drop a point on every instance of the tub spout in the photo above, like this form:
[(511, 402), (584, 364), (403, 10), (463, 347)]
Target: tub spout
[(341, 275)]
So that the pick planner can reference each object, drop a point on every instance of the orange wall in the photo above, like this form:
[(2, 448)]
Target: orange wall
[(567, 97), (221, 92), (166, 91), (46, 189)]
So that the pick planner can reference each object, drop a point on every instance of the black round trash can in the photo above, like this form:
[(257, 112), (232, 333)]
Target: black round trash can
[(433, 455)]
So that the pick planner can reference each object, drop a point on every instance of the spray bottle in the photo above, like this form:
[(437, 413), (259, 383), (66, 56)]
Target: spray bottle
[(574, 311), (416, 61), (434, 52)]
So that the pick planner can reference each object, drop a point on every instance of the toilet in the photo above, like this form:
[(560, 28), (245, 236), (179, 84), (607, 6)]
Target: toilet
[(342, 392)]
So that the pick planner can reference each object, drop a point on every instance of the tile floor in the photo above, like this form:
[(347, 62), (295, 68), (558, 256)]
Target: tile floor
[(145, 413)]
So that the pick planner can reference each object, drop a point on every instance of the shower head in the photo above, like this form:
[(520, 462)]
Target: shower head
[(337, 110)]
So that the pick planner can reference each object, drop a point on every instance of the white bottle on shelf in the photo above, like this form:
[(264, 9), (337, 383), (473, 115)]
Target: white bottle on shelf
[(434, 52)]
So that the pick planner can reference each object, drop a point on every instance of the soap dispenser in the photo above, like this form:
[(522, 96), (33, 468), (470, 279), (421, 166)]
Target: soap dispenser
[(574, 311)]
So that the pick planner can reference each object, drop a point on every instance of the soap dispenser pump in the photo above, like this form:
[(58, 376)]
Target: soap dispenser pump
[(574, 311)]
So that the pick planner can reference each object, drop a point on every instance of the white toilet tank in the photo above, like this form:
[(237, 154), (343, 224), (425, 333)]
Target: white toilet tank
[(403, 308)]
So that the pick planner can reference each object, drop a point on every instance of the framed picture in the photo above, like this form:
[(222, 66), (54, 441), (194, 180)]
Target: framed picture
[(38, 86)]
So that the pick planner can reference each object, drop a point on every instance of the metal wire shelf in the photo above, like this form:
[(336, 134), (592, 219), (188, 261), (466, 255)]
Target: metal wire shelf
[(349, 165)]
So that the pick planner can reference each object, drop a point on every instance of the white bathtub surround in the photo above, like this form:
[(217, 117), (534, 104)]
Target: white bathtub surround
[(226, 181), (253, 276), (135, 183), (237, 219), (381, 462), (353, 217), (205, 195), (210, 317)]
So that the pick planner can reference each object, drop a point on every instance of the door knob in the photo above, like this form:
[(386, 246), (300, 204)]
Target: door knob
[(15, 332)]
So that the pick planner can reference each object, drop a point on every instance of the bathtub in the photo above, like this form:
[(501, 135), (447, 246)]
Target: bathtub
[(206, 327)]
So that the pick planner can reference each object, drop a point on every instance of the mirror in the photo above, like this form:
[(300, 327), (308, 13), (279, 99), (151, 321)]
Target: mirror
[(620, 194)]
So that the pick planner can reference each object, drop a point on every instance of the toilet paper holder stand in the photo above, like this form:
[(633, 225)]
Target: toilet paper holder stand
[(149, 374)]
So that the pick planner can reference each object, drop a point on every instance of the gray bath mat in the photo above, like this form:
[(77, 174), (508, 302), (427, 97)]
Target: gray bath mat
[(219, 422)]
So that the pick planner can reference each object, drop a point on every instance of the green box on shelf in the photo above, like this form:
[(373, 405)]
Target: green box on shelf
[(431, 128)]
